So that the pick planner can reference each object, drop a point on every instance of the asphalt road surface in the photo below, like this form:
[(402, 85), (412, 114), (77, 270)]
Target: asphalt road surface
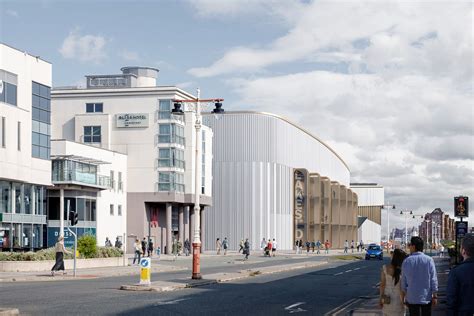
[(312, 291)]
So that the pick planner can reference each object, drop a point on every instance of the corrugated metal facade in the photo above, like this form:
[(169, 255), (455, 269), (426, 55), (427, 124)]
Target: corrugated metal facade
[(254, 158)]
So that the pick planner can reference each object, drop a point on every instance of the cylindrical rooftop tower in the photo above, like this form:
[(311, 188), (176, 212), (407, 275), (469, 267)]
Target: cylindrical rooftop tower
[(146, 76)]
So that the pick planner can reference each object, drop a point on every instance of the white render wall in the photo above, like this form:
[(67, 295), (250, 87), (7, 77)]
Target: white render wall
[(14, 164), (369, 195), (107, 225), (369, 232), (255, 155)]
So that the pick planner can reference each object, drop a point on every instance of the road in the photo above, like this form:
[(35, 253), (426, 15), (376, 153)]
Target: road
[(312, 291)]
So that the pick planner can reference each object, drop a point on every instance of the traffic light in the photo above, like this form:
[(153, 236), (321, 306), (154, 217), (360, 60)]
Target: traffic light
[(73, 217), (461, 206)]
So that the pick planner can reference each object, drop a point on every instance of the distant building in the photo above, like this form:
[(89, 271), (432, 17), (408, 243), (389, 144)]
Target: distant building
[(368, 231), (436, 226), (371, 198)]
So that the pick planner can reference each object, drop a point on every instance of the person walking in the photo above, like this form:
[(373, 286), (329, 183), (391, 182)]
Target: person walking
[(327, 245), (60, 251), (150, 248), (187, 247), (308, 245), (144, 246), (246, 249), (218, 246), (390, 290), (313, 245), (419, 280), (358, 246), (263, 244), (460, 290), (352, 246), (346, 246), (138, 251), (108, 243), (361, 245), (225, 245), (318, 247), (241, 245), (118, 243), (274, 247), (175, 249)]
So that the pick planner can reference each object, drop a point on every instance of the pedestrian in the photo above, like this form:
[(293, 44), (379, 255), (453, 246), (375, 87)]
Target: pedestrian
[(118, 243), (361, 245), (308, 245), (419, 280), (358, 246), (274, 247), (390, 290), (241, 245), (108, 243), (218, 246), (263, 244), (327, 245), (150, 248), (138, 251), (60, 251), (297, 245), (346, 246), (246, 249), (318, 246), (225, 245), (441, 251), (313, 245), (352, 246), (460, 290), (158, 252), (144, 246), (269, 248), (301, 245), (174, 249), (187, 247)]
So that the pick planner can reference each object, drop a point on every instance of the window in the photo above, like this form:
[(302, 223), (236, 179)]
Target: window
[(171, 133), (92, 134), (112, 179), (94, 107), (119, 210), (3, 128), (164, 111), (41, 121), (111, 209), (171, 181), (171, 157), (120, 184), (9, 91), (19, 136)]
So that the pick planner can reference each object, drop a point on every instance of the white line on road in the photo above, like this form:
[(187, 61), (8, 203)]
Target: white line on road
[(347, 271), (171, 302), (299, 309), (356, 269), (339, 273)]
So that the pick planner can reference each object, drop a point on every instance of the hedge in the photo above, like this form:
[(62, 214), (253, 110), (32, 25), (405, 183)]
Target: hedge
[(50, 254)]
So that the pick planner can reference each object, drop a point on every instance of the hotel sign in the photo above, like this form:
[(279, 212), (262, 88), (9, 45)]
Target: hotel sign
[(300, 204), (132, 120)]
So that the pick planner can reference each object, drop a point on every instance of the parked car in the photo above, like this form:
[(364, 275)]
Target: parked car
[(374, 252)]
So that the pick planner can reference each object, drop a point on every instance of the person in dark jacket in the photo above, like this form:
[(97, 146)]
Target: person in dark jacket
[(246, 249), (460, 290)]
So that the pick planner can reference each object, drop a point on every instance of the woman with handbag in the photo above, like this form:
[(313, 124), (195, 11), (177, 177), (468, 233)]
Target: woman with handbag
[(60, 251), (390, 290)]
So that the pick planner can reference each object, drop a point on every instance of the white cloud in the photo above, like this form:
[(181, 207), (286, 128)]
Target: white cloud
[(12, 13), (129, 55), (84, 47)]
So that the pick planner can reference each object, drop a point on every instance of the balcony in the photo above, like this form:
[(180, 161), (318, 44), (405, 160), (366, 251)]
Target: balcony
[(74, 172)]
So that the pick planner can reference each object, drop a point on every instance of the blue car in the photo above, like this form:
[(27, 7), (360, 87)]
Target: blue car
[(374, 252)]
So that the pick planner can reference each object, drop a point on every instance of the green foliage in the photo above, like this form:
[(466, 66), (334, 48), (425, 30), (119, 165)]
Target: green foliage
[(87, 246), (45, 254), (108, 252)]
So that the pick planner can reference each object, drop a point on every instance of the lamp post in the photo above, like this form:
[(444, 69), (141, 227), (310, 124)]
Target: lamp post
[(388, 207), (406, 212), (194, 105)]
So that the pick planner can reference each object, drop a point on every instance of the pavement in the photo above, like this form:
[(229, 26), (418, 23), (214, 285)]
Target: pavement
[(369, 305)]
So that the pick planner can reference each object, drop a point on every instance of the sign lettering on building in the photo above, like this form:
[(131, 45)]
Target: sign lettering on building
[(132, 120), (300, 204)]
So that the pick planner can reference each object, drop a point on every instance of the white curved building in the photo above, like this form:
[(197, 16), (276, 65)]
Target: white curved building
[(259, 161)]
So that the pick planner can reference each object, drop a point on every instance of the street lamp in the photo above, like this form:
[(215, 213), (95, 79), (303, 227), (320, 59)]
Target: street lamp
[(406, 223), (388, 207), (194, 105)]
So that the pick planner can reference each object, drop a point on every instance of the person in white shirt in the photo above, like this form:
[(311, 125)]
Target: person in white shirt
[(274, 247)]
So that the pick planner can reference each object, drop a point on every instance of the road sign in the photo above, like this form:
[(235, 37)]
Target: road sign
[(461, 229), (145, 271), (461, 206)]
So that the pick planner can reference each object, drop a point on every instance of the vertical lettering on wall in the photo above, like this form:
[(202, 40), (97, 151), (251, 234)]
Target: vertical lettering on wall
[(300, 204)]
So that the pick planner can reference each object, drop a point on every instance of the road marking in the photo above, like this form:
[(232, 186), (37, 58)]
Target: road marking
[(342, 309), (347, 271), (356, 269), (171, 302), (299, 309), (339, 273)]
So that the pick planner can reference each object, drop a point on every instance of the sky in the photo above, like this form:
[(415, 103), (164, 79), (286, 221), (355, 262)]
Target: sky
[(388, 85)]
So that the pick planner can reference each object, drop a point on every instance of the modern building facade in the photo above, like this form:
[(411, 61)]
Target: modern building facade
[(130, 114), (273, 179), (371, 198), (92, 182), (368, 232), (25, 165)]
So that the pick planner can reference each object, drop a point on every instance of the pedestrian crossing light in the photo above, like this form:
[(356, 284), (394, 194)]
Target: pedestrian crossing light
[(73, 217)]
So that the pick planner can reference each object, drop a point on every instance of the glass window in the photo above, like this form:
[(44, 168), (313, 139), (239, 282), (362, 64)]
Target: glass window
[(99, 107), (53, 208), (92, 134), (94, 107), (119, 210), (5, 197), (89, 107), (36, 114), (36, 101), (111, 209), (10, 91)]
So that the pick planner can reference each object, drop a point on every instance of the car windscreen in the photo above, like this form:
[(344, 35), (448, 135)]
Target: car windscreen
[(374, 248)]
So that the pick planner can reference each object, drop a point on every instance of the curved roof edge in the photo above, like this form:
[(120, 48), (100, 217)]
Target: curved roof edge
[(291, 123)]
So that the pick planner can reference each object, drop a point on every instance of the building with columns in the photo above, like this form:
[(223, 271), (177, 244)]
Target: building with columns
[(25, 165), (128, 113), (273, 179), (437, 226)]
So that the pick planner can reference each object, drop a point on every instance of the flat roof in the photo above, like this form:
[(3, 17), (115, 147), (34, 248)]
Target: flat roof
[(25, 52)]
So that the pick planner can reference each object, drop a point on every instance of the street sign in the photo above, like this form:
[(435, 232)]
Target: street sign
[(461, 206), (145, 271), (461, 229)]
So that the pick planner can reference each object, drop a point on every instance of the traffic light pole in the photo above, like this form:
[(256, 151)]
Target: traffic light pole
[(75, 239)]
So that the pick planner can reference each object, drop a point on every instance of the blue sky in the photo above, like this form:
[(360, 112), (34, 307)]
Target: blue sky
[(389, 85)]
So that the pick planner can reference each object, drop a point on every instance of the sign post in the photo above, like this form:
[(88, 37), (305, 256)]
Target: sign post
[(75, 238), (145, 271)]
